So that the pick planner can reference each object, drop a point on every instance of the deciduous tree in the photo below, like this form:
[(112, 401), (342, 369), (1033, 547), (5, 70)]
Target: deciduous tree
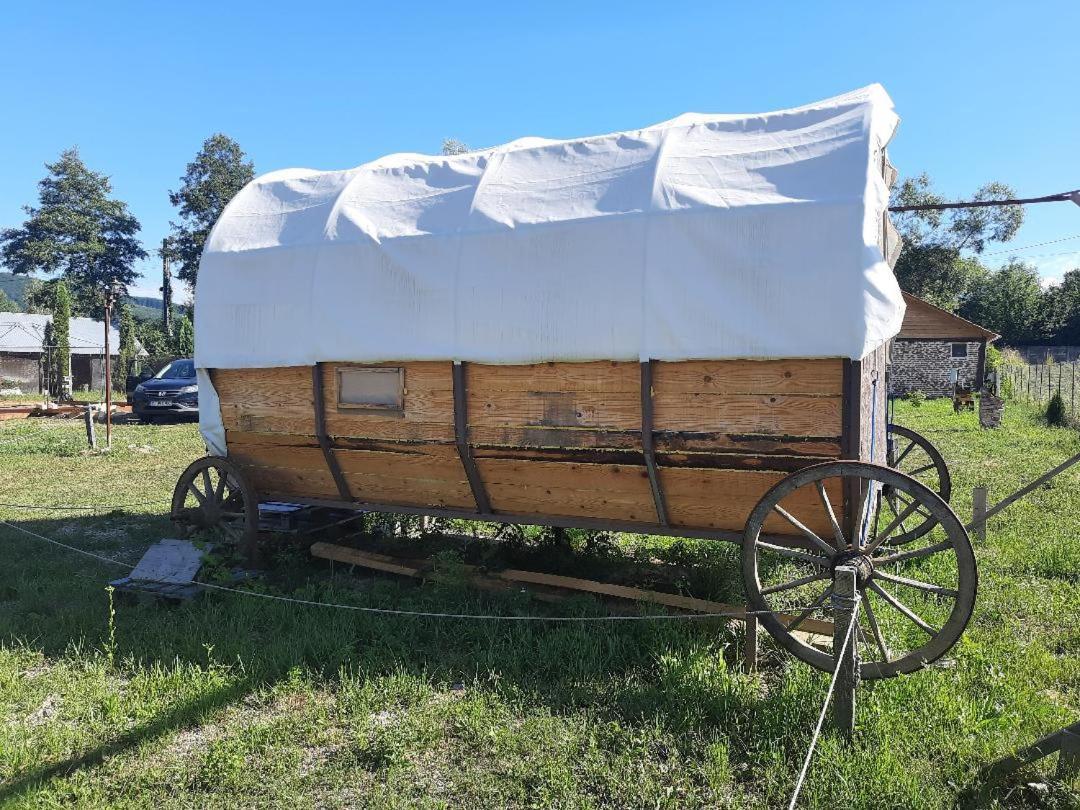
[(212, 179), (77, 229)]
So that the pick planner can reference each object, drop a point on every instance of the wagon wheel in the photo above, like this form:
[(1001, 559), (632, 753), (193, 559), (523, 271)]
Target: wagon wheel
[(914, 455), (914, 602), (214, 503)]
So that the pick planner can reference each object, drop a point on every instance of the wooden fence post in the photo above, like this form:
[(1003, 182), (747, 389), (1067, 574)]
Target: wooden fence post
[(1069, 757), (845, 601), (91, 437), (750, 644), (979, 501)]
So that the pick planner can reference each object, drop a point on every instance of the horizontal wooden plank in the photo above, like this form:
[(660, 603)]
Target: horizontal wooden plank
[(748, 413), (582, 409), (526, 500), (749, 377), (607, 478), (723, 499), (597, 377)]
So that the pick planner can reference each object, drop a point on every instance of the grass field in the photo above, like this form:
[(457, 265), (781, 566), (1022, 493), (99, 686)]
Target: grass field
[(233, 701)]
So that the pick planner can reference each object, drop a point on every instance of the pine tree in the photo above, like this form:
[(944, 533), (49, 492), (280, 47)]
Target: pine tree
[(126, 355), (61, 329), (184, 342)]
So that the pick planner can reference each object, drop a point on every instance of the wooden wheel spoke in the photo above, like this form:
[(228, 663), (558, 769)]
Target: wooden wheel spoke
[(866, 509), (919, 508), (903, 609), (806, 532), (919, 553), (876, 629), (902, 456), (838, 533), (795, 554), (892, 509), (896, 523), (809, 609), (219, 491), (208, 487), (795, 583), (199, 496), (233, 515), (939, 590), (920, 470)]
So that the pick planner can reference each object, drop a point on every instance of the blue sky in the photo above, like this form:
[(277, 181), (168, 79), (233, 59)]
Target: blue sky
[(987, 91)]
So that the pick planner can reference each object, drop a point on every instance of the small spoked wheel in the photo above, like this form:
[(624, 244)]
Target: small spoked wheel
[(214, 503), (914, 602), (914, 455)]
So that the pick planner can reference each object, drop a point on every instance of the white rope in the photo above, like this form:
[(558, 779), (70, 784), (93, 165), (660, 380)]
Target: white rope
[(394, 611), (824, 708)]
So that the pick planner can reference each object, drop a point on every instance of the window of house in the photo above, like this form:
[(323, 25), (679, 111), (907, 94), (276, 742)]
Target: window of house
[(370, 388), (959, 350)]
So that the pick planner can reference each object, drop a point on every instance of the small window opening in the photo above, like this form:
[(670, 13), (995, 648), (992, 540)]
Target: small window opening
[(381, 388), (959, 350)]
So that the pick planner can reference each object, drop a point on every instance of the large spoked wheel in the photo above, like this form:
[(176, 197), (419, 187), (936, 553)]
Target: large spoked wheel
[(214, 503), (914, 455), (915, 602)]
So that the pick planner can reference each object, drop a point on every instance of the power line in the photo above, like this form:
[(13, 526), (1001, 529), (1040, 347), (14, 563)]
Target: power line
[(1064, 196), (1037, 244)]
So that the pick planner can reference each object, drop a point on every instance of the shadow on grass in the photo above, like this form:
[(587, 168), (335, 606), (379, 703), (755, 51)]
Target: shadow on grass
[(679, 673)]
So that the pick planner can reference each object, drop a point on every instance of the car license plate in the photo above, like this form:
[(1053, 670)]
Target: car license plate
[(160, 403)]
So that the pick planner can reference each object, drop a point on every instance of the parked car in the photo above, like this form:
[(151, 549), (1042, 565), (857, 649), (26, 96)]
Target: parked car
[(172, 392)]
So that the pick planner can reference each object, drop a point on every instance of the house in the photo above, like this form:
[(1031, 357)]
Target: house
[(932, 346), (22, 350)]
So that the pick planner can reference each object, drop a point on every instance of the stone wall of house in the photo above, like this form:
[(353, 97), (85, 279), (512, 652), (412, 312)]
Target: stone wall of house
[(924, 365)]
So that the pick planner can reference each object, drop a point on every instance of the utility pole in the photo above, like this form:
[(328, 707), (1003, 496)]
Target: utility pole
[(166, 287)]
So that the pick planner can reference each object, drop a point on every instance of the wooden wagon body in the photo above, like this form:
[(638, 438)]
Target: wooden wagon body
[(679, 330), (683, 448)]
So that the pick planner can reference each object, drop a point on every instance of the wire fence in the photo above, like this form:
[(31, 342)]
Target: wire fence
[(1037, 383)]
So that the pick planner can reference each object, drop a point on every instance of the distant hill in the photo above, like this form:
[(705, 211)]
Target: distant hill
[(142, 307), (15, 287)]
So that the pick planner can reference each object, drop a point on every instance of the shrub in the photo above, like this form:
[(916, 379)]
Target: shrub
[(1055, 410), (916, 398)]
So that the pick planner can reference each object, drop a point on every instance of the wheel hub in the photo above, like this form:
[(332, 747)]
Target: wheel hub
[(863, 565)]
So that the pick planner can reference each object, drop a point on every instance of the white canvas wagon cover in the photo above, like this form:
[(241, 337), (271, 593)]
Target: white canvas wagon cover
[(704, 237)]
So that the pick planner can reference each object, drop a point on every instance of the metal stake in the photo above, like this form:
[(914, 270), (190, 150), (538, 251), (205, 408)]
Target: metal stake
[(978, 513), (845, 602)]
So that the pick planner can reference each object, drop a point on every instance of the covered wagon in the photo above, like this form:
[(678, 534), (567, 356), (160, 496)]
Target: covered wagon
[(677, 330)]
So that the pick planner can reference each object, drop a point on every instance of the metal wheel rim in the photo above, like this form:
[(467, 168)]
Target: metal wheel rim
[(236, 523), (943, 489), (957, 543)]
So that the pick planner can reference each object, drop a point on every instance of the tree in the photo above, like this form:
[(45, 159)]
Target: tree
[(184, 342), (1010, 301), (212, 179), (61, 339), (933, 264), (78, 229), (1061, 310), (452, 146), (127, 350), (6, 304)]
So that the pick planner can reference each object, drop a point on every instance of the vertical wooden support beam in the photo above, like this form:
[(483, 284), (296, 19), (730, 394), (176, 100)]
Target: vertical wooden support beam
[(461, 436), (1068, 766), (319, 401), (851, 439), (845, 602), (979, 502), (750, 644), (647, 445)]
